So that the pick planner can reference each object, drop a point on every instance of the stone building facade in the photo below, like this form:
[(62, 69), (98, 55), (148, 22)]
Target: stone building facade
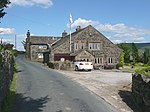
[(86, 44), (38, 46)]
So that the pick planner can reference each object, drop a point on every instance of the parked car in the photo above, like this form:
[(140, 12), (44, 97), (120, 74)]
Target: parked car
[(83, 65)]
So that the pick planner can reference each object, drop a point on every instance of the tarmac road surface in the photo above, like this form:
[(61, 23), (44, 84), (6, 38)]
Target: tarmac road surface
[(41, 89)]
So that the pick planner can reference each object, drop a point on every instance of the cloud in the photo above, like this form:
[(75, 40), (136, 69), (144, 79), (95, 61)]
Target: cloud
[(120, 30), (7, 31), (83, 23), (42, 3), (8, 41)]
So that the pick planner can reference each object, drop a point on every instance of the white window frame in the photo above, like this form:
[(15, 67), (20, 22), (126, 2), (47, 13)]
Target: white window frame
[(94, 46)]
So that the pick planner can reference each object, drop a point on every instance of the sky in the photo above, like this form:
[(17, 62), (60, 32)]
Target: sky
[(119, 20)]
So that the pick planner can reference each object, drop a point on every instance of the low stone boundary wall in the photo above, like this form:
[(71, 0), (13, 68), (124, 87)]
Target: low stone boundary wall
[(6, 74), (141, 91), (66, 65)]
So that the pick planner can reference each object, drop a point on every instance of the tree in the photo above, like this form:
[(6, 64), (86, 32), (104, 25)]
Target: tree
[(135, 53), (3, 4), (127, 50), (146, 55), (121, 61)]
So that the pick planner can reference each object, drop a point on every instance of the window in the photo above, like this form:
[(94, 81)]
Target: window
[(90, 46), (42, 47), (98, 46), (101, 60), (87, 60), (40, 55), (98, 60), (76, 46), (82, 46), (94, 46), (95, 60), (109, 60)]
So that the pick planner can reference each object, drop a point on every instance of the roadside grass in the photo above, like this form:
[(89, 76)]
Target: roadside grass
[(129, 69), (7, 106)]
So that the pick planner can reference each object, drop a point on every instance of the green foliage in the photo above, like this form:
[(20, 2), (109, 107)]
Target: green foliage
[(9, 100), (11, 96), (121, 61), (144, 71), (3, 4), (135, 54), (146, 56), (127, 50), (136, 64), (50, 65)]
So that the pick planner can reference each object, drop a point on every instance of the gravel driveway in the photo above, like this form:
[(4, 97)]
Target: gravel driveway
[(113, 87)]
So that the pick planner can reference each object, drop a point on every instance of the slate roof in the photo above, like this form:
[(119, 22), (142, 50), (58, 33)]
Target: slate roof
[(64, 39), (110, 50), (43, 39)]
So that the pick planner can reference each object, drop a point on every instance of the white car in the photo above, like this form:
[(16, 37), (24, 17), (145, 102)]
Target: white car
[(83, 65)]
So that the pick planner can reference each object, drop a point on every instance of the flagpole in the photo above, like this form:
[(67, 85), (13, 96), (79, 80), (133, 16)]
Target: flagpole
[(70, 31), (70, 37)]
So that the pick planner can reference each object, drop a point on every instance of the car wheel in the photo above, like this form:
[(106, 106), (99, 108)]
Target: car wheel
[(76, 68), (89, 70)]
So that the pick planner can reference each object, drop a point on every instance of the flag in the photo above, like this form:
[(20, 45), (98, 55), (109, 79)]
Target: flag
[(70, 18)]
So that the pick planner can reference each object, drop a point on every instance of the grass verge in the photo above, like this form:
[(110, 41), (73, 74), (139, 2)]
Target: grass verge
[(11, 96)]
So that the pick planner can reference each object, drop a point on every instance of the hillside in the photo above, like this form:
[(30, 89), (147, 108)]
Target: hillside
[(141, 46)]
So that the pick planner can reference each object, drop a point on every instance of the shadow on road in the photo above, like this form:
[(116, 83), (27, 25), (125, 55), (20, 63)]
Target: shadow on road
[(27, 104), (128, 99)]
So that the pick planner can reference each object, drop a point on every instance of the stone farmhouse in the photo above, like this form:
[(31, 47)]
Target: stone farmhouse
[(86, 44)]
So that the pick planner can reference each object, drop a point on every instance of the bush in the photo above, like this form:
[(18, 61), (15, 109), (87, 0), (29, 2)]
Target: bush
[(135, 64), (50, 65), (109, 67), (121, 61), (144, 71)]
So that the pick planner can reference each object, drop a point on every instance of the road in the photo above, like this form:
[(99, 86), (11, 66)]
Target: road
[(41, 89)]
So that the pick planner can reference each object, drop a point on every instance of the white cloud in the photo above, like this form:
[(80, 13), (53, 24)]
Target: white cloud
[(119, 30), (83, 23), (42, 3), (117, 41), (138, 39), (8, 41), (7, 31)]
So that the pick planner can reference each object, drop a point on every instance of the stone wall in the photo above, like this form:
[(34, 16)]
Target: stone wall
[(66, 65), (6, 74), (141, 91)]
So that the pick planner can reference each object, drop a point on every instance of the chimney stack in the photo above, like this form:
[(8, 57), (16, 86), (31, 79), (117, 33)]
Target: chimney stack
[(78, 28), (64, 33), (28, 34)]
